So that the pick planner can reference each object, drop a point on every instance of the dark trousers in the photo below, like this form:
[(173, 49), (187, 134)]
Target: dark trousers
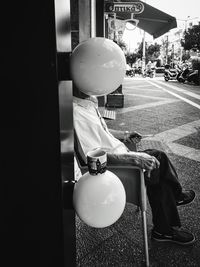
[(163, 188)]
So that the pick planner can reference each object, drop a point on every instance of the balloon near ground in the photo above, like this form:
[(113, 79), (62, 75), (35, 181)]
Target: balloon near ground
[(99, 196), (99, 200), (98, 66)]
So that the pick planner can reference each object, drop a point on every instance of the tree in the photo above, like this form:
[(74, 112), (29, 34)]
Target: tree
[(131, 58), (140, 49), (152, 51), (121, 44), (185, 56), (191, 38)]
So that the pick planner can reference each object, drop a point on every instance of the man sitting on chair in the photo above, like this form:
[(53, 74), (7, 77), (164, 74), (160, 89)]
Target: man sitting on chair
[(164, 190)]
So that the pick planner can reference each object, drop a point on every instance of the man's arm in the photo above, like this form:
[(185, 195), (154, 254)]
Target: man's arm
[(139, 159)]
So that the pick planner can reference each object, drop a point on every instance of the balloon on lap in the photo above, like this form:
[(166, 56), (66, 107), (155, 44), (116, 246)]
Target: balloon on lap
[(98, 66), (99, 196)]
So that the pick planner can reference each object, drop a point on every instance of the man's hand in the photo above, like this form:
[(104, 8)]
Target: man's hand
[(140, 159), (126, 136), (132, 137), (147, 162)]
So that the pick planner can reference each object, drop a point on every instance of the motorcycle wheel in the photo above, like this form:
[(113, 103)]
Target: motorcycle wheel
[(196, 81), (180, 80), (166, 79), (178, 77)]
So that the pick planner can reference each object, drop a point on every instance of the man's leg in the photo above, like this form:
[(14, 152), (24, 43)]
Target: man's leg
[(163, 190), (164, 210), (165, 173)]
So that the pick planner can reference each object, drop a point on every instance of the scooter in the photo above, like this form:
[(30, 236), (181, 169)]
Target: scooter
[(194, 77), (149, 73), (130, 73), (138, 71), (171, 74), (189, 75)]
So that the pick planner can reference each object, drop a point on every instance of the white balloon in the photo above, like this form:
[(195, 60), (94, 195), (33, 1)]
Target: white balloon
[(99, 200), (98, 66)]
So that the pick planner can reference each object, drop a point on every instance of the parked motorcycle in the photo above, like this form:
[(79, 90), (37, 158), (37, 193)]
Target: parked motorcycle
[(149, 73), (138, 71), (171, 73), (189, 75), (194, 77), (130, 73)]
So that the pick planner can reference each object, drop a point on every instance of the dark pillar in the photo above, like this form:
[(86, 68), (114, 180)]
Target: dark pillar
[(31, 212)]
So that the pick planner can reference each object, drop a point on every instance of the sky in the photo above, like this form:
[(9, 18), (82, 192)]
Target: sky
[(181, 9)]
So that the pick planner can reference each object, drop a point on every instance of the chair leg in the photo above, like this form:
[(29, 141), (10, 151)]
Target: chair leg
[(146, 250)]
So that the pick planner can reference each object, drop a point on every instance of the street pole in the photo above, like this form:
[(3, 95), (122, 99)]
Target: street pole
[(173, 54), (186, 22), (167, 44), (143, 50), (93, 18), (143, 53)]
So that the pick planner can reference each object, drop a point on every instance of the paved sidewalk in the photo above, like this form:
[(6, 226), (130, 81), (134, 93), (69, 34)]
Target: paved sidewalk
[(172, 126)]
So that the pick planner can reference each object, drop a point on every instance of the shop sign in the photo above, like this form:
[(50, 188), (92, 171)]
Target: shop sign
[(124, 7)]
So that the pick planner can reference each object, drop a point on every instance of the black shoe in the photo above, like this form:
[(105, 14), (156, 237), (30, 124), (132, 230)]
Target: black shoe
[(186, 197), (180, 237)]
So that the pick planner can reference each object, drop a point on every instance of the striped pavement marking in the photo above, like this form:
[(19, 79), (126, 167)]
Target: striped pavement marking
[(186, 92), (176, 95), (148, 105), (147, 96), (169, 137), (135, 87)]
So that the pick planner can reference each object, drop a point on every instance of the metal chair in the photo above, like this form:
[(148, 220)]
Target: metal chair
[(132, 178)]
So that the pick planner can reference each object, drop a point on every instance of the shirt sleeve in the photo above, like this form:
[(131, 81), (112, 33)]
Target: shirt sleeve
[(77, 171), (87, 130)]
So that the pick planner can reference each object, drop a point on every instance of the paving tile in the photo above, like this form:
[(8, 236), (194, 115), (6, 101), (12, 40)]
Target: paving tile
[(168, 136), (148, 105), (194, 154), (151, 143), (179, 149), (112, 245), (117, 251), (185, 151), (88, 238), (121, 245), (192, 140), (194, 125)]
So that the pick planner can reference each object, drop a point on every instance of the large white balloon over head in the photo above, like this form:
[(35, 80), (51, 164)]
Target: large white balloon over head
[(97, 66)]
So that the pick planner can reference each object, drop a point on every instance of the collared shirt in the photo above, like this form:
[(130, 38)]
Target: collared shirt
[(91, 128)]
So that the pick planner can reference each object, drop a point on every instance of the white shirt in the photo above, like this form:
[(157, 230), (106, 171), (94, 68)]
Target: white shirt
[(91, 128), (77, 171)]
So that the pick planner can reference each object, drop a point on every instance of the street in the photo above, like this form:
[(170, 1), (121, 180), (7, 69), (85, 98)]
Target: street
[(167, 114)]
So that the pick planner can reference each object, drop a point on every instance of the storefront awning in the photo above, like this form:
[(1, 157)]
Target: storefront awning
[(151, 20)]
